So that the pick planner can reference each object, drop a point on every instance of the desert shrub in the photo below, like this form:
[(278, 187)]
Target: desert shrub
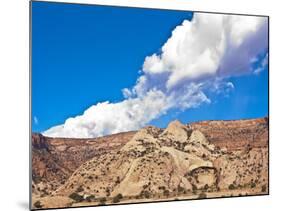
[(76, 197), (206, 187), (194, 188), (231, 187), (145, 186), (79, 189), (36, 178), (217, 148), (102, 201), (90, 198), (253, 185), (166, 153), (264, 188), (118, 180), (202, 196), (90, 177), (161, 188), (189, 178), (145, 194), (117, 198), (38, 204), (107, 191), (166, 193), (180, 189)]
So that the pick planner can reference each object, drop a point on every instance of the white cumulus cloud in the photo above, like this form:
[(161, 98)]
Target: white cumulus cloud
[(106, 118), (209, 45), (198, 58), (130, 114)]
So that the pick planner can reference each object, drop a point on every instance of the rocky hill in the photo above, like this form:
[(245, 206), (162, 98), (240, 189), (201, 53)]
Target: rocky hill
[(204, 159), (55, 159)]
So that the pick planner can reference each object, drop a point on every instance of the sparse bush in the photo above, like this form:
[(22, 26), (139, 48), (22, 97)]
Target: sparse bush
[(79, 189), (194, 188), (76, 197), (166, 193), (206, 187), (90, 198), (145, 186), (102, 201), (264, 188), (117, 198), (161, 188), (166, 153), (145, 194), (118, 180), (231, 187), (202, 196), (36, 178), (180, 189), (38, 204), (253, 185), (107, 191)]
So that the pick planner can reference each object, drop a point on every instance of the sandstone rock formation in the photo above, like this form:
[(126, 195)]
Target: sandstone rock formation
[(204, 159)]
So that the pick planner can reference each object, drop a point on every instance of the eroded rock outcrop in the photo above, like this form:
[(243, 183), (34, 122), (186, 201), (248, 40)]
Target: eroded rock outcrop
[(152, 163)]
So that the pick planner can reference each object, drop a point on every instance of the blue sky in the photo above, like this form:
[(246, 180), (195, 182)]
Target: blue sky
[(82, 55)]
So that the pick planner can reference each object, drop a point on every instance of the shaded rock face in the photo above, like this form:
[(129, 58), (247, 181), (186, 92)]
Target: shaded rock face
[(152, 163), (39, 142), (203, 177)]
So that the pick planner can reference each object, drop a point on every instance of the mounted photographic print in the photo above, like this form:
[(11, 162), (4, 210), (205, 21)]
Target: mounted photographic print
[(134, 105)]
